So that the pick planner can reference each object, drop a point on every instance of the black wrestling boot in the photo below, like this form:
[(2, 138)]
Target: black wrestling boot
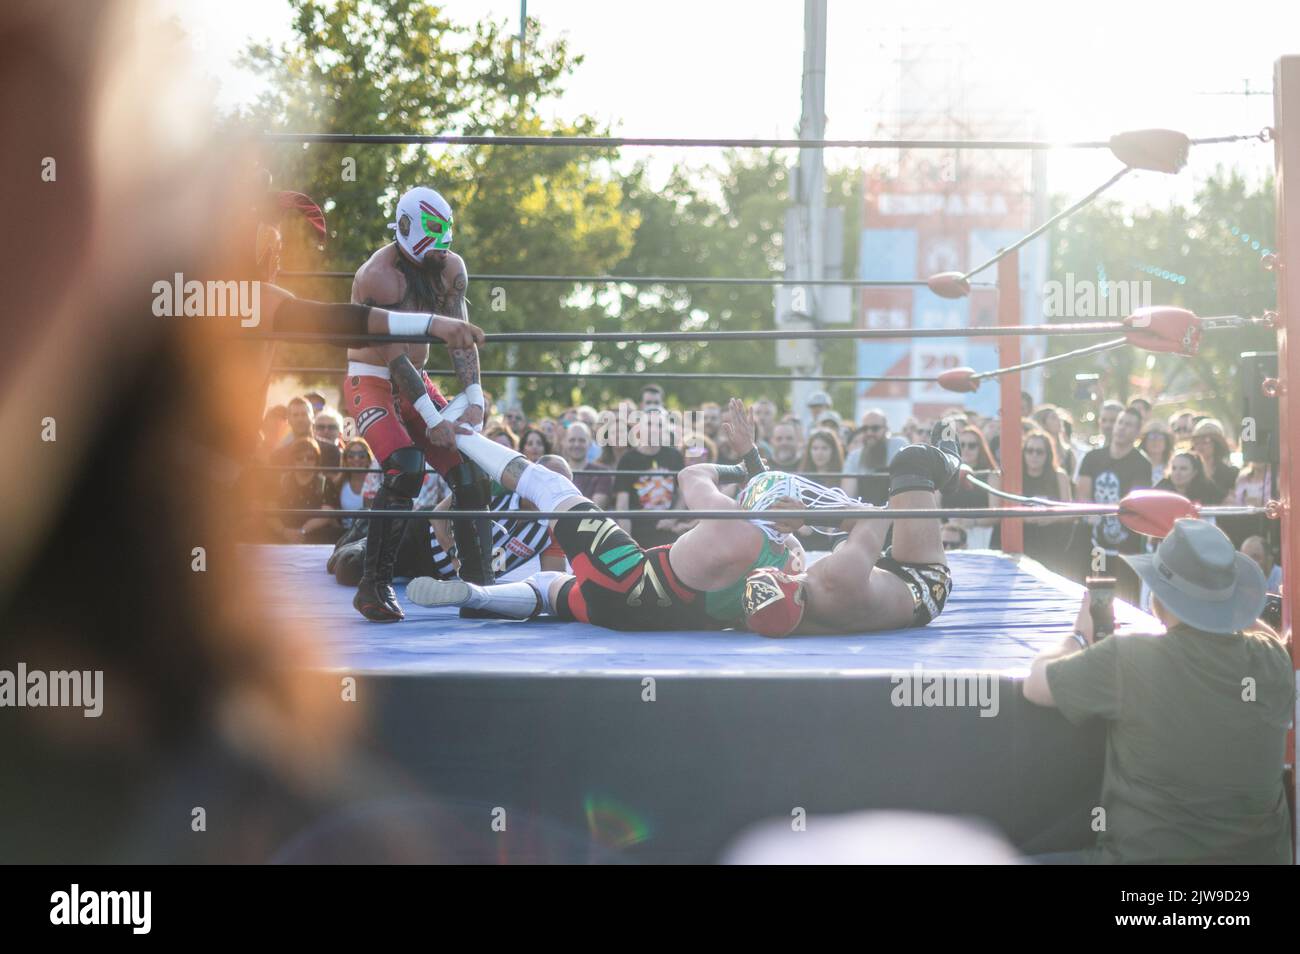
[(375, 599), (471, 490)]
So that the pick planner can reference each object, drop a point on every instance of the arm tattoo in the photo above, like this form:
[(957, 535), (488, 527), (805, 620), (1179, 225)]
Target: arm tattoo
[(409, 380), (463, 360)]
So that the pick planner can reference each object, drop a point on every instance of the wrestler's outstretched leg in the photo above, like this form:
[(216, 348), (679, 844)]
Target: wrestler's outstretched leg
[(545, 489), (522, 599)]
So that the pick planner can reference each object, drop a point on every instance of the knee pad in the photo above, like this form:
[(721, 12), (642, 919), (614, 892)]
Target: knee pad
[(541, 581), (921, 467), (469, 486), (544, 488), (404, 471)]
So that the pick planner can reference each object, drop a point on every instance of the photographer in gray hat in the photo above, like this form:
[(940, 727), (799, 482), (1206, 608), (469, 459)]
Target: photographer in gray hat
[(1198, 717)]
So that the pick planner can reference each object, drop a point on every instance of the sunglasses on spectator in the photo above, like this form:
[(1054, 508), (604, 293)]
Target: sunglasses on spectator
[(1036, 451), (357, 455), (873, 427), (970, 445), (951, 545)]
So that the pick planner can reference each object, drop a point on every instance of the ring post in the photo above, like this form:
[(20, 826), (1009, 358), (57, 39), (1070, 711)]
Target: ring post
[(1013, 535), (1286, 101)]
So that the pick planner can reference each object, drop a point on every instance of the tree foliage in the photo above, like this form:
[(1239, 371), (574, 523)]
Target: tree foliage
[(1214, 243)]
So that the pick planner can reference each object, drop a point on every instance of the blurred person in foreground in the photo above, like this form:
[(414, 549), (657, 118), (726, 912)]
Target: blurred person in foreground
[(1197, 717), (206, 699)]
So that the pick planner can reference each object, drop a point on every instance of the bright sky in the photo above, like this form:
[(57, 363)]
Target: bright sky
[(732, 68)]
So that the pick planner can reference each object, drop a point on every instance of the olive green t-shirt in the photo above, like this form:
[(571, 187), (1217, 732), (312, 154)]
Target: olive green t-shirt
[(1195, 745)]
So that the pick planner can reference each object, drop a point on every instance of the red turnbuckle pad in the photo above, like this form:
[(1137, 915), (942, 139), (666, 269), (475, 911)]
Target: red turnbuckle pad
[(1164, 328), (949, 284), (1153, 512), (1159, 150), (959, 379)]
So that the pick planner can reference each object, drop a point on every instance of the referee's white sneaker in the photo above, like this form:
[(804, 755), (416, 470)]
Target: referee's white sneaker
[(426, 591)]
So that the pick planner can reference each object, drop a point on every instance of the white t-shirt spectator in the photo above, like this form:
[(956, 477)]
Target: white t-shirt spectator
[(350, 499)]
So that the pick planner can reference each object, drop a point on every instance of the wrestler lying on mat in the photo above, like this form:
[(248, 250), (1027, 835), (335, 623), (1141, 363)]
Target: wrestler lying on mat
[(725, 571), (696, 582)]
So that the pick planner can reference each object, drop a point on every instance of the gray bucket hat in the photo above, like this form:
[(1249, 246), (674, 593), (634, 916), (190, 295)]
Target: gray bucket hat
[(1201, 579)]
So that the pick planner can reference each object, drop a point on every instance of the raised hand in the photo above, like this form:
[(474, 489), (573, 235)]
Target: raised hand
[(738, 426)]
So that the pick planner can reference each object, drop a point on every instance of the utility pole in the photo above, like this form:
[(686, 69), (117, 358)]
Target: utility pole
[(805, 251), (511, 396)]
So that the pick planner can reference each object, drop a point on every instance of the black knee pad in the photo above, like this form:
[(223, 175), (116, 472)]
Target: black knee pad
[(920, 467), (404, 471)]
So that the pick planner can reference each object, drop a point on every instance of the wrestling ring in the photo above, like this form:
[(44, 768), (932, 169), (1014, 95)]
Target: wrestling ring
[(663, 745)]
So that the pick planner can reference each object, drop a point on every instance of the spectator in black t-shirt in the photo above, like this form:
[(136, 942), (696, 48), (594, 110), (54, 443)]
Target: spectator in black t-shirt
[(1187, 477), (656, 488), (1211, 446), (305, 490), (1106, 475), (975, 454), (1047, 539)]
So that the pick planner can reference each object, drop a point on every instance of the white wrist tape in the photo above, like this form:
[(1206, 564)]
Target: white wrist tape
[(408, 323), (475, 394), (428, 410)]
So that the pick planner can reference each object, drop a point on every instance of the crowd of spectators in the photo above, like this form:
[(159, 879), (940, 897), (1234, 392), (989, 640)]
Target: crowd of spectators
[(626, 458)]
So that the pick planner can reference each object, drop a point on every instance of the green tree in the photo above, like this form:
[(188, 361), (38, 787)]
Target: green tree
[(405, 67), (1204, 256)]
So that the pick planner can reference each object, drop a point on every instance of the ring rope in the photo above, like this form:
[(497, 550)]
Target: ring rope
[(1064, 213), (666, 280), (657, 375), (614, 142), (648, 337), (880, 513)]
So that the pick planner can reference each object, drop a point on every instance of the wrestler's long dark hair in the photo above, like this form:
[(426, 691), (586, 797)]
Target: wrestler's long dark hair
[(424, 282)]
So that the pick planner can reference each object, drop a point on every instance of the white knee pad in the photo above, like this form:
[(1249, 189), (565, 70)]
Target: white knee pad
[(544, 488), (542, 581)]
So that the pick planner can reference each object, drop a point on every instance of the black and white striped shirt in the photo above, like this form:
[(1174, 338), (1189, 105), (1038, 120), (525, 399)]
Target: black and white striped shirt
[(514, 541)]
